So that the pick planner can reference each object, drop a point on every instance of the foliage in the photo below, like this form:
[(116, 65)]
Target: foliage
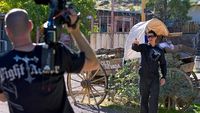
[(172, 60), (162, 110), (179, 10), (116, 108), (170, 10), (179, 87), (125, 83), (4, 7), (86, 7), (196, 108), (39, 13)]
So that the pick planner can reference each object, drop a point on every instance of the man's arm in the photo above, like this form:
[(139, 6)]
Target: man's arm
[(91, 62), (163, 66), (136, 46)]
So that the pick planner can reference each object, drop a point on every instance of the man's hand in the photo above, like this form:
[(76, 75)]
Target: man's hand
[(74, 18), (136, 41), (3, 97), (162, 81)]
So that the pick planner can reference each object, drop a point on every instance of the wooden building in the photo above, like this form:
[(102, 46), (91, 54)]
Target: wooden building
[(123, 20), (104, 36)]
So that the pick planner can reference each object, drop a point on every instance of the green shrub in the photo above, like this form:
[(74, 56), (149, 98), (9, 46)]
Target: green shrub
[(124, 84)]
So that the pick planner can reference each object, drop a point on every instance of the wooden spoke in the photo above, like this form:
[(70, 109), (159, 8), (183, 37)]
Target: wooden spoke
[(75, 80), (79, 75), (95, 74), (99, 85), (96, 91), (93, 96), (102, 78), (85, 93), (76, 87), (84, 76), (88, 94), (75, 95), (88, 75), (88, 88)]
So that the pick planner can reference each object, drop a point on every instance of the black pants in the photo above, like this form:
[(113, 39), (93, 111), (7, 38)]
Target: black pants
[(149, 92), (68, 108)]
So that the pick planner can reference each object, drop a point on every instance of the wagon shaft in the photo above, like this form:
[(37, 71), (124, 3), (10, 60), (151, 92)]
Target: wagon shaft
[(188, 67)]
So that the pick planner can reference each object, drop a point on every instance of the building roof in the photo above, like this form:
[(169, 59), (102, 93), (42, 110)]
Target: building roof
[(191, 1), (125, 5), (119, 12), (195, 2)]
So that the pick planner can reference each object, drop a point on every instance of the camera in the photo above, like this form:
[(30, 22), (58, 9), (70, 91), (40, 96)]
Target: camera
[(60, 11)]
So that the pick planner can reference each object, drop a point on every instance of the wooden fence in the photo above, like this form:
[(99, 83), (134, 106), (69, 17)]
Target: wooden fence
[(104, 40), (189, 27)]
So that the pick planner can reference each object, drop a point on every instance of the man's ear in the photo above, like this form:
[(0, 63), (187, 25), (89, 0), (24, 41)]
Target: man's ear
[(30, 25), (8, 32), (6, 29)]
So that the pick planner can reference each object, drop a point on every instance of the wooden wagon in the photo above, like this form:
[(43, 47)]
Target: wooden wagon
[(182, 83), (92, 87)]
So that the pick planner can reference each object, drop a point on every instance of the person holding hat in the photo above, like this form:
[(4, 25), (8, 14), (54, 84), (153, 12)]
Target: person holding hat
[(152, 57)]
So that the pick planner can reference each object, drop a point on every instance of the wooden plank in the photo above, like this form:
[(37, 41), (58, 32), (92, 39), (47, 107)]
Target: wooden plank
[(112, 64), (175, 34)]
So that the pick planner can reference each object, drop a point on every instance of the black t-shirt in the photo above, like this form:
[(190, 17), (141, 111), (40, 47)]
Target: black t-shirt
[(29, 90), (151, 59)]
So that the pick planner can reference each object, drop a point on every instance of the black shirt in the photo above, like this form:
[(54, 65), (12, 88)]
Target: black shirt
[(28, 90), (151, 59)]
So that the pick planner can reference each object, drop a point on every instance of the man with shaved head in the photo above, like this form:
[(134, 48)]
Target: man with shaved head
[(22, 79), (17, 22), (18, 28)]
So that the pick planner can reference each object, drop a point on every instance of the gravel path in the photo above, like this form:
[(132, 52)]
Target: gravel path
[(79, 108)]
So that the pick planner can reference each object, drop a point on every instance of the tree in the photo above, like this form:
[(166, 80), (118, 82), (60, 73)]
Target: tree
[(39, 13), (170, 10), (86, 8), (179, 10)]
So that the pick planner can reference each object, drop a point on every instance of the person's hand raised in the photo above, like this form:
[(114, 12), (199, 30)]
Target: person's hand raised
[(136, 41), (74, 25)]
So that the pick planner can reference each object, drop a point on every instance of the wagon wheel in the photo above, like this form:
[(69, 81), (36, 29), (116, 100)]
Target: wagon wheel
[(88, 88), (178, 92), (194, 79)]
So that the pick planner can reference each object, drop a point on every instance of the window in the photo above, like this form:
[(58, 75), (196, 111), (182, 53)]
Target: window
[(103, 27), (127, 26), (119, 26), (123, 24)]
